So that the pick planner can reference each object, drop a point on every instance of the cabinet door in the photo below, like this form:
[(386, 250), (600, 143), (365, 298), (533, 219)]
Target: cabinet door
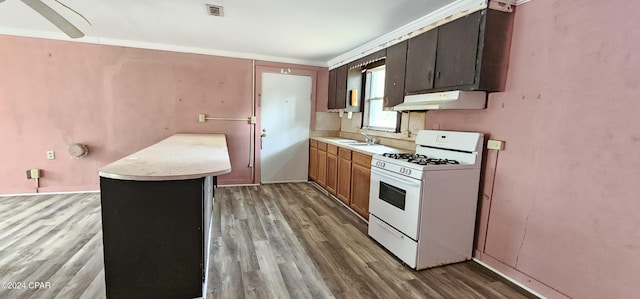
[(331, 103), (457, 51), (341, 87), (322, 167), (313, 163), (421, 61), (360, 182), (344, 176), (332, 173), (394, 74)]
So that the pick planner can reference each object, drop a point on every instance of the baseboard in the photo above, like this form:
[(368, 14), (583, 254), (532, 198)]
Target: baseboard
[(285, 182), (237, 185), (50, 193), (519, 284)]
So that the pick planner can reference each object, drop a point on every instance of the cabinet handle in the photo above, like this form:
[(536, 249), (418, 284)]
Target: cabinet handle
[(438, 75), (429, 76), (390, 230)]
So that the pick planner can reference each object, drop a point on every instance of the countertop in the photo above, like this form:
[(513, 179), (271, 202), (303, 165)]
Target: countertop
[(364, 149), (179, 157)]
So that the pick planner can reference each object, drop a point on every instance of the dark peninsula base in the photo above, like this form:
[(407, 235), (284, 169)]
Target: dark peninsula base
[(154, 236)]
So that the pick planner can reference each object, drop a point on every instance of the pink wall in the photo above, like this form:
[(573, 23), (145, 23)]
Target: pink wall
[(116, 100), (564, 213)]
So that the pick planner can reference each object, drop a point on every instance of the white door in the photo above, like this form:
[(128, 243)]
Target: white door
[(285, 120)]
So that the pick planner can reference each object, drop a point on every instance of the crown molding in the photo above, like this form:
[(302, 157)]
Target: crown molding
[(158, 46)]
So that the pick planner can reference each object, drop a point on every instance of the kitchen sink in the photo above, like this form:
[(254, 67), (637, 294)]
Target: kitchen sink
[(360, 144), (348, 141)]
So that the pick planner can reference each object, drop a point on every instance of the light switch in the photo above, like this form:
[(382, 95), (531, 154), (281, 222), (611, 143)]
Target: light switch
[(51, 155)]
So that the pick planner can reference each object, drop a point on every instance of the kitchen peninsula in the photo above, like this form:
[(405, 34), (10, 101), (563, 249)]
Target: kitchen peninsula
[(156, 212)]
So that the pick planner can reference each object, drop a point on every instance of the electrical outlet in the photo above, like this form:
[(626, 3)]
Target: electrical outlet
[(33, 173), (51, 155), (495, 144), (201, 118)]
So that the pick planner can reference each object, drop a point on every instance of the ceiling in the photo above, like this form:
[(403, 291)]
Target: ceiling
[(300, 31)]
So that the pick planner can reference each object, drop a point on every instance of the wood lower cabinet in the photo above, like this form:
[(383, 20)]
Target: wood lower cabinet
[(332, 169), (321, 177), (313, 159), (360, 182), (344, 175)]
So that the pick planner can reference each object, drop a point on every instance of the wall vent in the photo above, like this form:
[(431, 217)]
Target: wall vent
[(215, 10)]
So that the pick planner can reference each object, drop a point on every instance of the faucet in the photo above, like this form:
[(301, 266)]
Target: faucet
[(368, 139)]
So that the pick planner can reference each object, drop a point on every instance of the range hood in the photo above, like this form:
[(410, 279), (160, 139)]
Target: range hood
[(456, 99)]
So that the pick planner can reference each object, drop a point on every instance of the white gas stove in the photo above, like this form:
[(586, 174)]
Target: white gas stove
[(423, 205)]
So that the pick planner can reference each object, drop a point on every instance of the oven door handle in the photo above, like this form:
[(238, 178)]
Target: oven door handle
[(390, 229), (405, 181)]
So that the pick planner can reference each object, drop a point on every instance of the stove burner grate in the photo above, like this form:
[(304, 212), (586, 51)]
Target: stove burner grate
[(432, 161), (398, 156), (419, 159)]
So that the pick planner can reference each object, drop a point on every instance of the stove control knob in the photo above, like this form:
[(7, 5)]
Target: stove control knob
[(403, 170), (408, 171)]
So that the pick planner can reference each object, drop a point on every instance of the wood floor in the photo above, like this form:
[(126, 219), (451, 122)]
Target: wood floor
[(271, 241), (54, 239)]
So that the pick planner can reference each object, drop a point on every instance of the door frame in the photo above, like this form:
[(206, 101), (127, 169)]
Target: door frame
[(277, 69)]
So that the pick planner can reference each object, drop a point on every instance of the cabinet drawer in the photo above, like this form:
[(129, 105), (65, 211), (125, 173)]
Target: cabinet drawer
[(332, 149), (322, 146), (313, 143), (362, 159), (344, 153)]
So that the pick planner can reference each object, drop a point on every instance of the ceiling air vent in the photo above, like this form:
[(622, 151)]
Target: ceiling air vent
[(215, 10)]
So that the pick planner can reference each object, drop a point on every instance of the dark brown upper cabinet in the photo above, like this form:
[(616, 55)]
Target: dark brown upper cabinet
[(337, 88), (421, 61), (341, 87), (331, 103), (457, 51), (395, 63), (470, 53)]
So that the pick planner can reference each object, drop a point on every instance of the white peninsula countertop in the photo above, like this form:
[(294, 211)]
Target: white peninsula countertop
[(179, 157)]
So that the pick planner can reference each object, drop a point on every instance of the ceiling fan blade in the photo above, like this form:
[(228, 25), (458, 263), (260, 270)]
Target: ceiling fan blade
[(55, 18)]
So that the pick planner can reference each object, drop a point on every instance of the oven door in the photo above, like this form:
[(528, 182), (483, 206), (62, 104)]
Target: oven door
[(395, 199)]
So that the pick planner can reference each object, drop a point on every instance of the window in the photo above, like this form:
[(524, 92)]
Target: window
[(375, 118)]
